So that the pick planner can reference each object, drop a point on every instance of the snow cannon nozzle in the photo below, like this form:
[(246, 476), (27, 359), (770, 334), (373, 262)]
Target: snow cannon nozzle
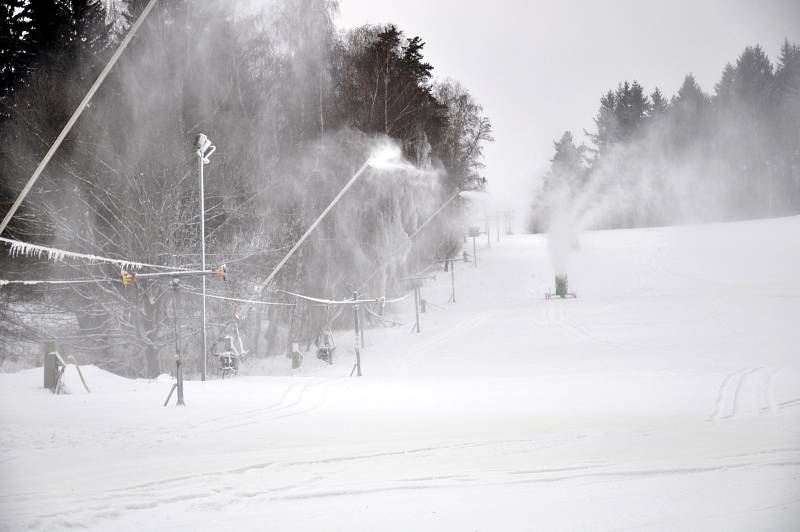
[(201, 143)]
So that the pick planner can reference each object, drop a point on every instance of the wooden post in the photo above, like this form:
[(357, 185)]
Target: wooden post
[(357, 326), (297, 357), (50, 366)]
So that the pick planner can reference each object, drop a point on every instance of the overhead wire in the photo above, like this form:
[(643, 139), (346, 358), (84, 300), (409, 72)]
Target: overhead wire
[(19, 248), (329, 302), (239, 300)]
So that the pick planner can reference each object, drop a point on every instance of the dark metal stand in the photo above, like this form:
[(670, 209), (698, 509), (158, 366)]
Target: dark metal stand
[(416, 309), (178, 362)]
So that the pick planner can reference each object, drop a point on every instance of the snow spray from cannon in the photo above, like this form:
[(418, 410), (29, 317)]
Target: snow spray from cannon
[(562, 240), (382, 156)]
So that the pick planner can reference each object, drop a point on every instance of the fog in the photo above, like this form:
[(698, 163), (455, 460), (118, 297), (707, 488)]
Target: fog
[(288, 102)]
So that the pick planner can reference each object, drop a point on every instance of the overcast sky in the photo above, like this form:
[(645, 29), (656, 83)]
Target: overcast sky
[(539, 68)]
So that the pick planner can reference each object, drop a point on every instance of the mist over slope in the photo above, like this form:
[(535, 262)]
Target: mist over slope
[(693, 157), (294, 107)]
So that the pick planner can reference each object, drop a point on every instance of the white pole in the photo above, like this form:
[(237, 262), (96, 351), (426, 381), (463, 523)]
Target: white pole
[(200, 163)]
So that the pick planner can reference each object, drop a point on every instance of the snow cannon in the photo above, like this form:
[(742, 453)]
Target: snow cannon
[(562, 289)]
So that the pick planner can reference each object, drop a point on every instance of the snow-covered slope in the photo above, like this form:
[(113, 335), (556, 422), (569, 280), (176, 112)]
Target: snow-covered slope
[(666, 397)]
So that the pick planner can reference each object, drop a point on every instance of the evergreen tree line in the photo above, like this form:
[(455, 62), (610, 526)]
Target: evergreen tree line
[(694, 157), (294, 107)]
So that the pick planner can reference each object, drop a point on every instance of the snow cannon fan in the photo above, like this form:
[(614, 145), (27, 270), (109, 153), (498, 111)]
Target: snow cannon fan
[(562, 289)]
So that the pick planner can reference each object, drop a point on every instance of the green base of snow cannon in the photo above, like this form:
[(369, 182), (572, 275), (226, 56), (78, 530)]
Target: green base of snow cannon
[(562, 289)]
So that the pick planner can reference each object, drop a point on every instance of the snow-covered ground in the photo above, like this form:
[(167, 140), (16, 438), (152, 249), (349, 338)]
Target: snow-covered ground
[(666, 397)]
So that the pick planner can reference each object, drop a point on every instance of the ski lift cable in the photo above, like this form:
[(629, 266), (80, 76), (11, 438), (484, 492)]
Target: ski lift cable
[(74, 118), (238, 300), (328, 302), (19, 248)]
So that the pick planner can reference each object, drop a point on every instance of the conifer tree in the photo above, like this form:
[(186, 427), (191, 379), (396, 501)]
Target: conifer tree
[(689, 117), (659, 104), (15, 50), (725, 88), (607, 124)]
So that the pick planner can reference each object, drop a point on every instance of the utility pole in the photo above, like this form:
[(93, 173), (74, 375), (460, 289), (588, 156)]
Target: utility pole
[(497, 219), (488, 233)]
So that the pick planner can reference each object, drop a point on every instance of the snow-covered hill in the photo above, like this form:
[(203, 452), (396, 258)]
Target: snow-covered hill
[(666, 397)]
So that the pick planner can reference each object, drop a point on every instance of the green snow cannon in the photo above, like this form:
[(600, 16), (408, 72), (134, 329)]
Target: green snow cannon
[(562, 288)]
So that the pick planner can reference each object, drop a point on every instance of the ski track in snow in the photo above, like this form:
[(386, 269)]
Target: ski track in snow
[(285, 407), (224, 491), (750, 388), (224, 488)]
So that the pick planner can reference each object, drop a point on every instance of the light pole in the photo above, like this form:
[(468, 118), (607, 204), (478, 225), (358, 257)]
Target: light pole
[(203, 150)]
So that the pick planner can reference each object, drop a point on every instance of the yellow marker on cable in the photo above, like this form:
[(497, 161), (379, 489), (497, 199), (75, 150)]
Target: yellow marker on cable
[(127, 278), (219, 272)]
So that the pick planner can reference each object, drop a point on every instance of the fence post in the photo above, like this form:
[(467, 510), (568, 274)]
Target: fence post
[(50, 366)]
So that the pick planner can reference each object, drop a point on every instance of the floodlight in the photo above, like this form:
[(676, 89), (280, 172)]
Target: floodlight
[(201, 142)]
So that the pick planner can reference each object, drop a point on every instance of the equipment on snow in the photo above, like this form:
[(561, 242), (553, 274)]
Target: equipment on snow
[(326, 346), (231, 353), (562, 289)]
